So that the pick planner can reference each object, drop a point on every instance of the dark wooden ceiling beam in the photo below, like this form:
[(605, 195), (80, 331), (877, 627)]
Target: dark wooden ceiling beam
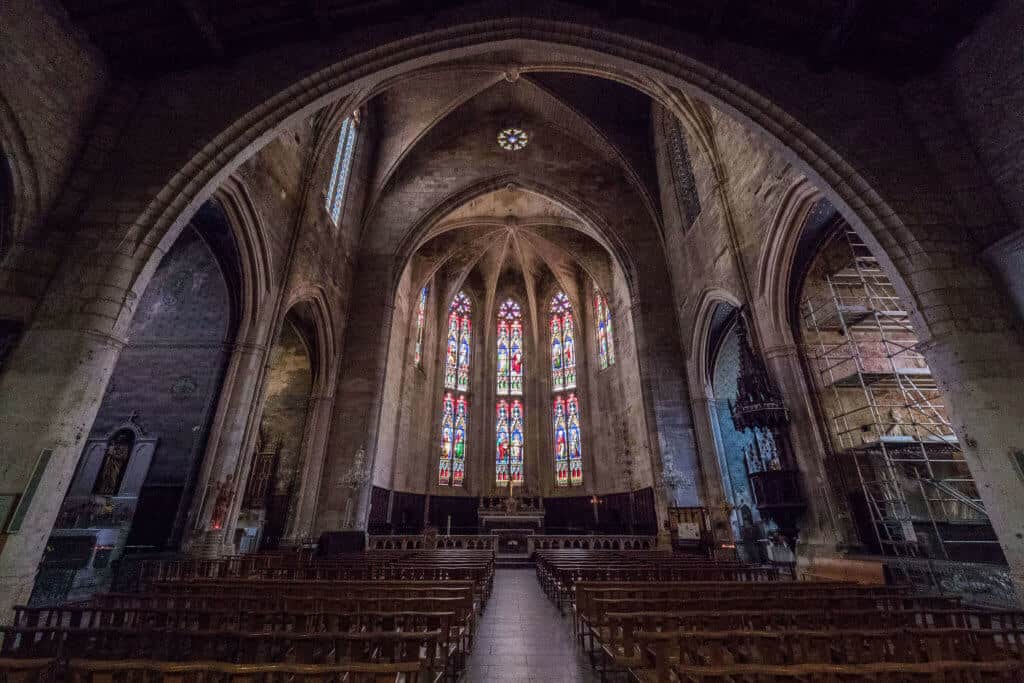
[(198, 12)]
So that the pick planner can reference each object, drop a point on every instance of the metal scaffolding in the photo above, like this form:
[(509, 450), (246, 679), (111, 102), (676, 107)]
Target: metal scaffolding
[(888, 423)]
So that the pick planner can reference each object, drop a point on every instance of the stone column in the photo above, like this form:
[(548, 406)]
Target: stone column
[(314, 440), (980, 372), (713, 493), (229, 450), (669, 420), (50, 393), (357, 406)]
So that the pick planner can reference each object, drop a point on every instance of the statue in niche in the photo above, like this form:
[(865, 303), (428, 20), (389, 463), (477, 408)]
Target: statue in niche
[(225, 494), (115, 461)]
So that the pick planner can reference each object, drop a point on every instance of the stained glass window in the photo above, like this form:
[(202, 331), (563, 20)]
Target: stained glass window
[(575, 440), (513, 139), (342, 166), (459, 343), (603, 323), (502, 445), (444, 468), (454, 427), (455, 406), (517, 441), (568, 439), (510, 443), (509, 424), (510, 349), (561, 443), (563, 344), (461, 428), (421, 319)]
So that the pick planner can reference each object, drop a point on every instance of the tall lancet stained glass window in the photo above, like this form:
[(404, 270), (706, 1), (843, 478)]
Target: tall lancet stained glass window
[(421, 321), (451, 468), (563, 344), (460, 341), (342, 167), (568, 439), (509, 419), (511, 440), (510, 349), (603, 325)]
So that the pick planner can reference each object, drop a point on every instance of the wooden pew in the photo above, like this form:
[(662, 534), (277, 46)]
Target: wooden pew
[(931, 672), (38, 670), (660, 651), (233, 646), (618, 647), (139, 671)]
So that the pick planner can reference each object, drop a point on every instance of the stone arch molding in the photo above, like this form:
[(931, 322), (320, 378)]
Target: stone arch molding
[(603, 53), (255, 258), (700, 351), (591, 223), (323, 352), (775, 266)]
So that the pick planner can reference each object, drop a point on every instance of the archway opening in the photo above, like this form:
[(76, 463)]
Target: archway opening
[(894, 458), (136, 476), (277, 461)]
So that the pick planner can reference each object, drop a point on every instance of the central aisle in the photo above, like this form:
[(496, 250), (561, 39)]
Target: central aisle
[(522, 637)]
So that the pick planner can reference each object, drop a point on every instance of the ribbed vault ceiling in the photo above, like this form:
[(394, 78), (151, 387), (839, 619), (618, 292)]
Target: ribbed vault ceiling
[(513, 242)]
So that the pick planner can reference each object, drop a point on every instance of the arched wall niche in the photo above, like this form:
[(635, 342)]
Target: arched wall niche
[(164, 391), (275, 475)]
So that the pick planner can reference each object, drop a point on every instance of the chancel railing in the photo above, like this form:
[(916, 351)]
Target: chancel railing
[(431, 541), (534, 542)]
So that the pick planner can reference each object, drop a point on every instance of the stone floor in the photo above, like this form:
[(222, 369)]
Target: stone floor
[(522, 637)]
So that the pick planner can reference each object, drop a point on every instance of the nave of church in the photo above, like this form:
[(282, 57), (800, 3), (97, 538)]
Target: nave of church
[(411, 321)]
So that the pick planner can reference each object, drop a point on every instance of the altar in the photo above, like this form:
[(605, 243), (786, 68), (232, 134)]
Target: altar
[(510, 513)]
